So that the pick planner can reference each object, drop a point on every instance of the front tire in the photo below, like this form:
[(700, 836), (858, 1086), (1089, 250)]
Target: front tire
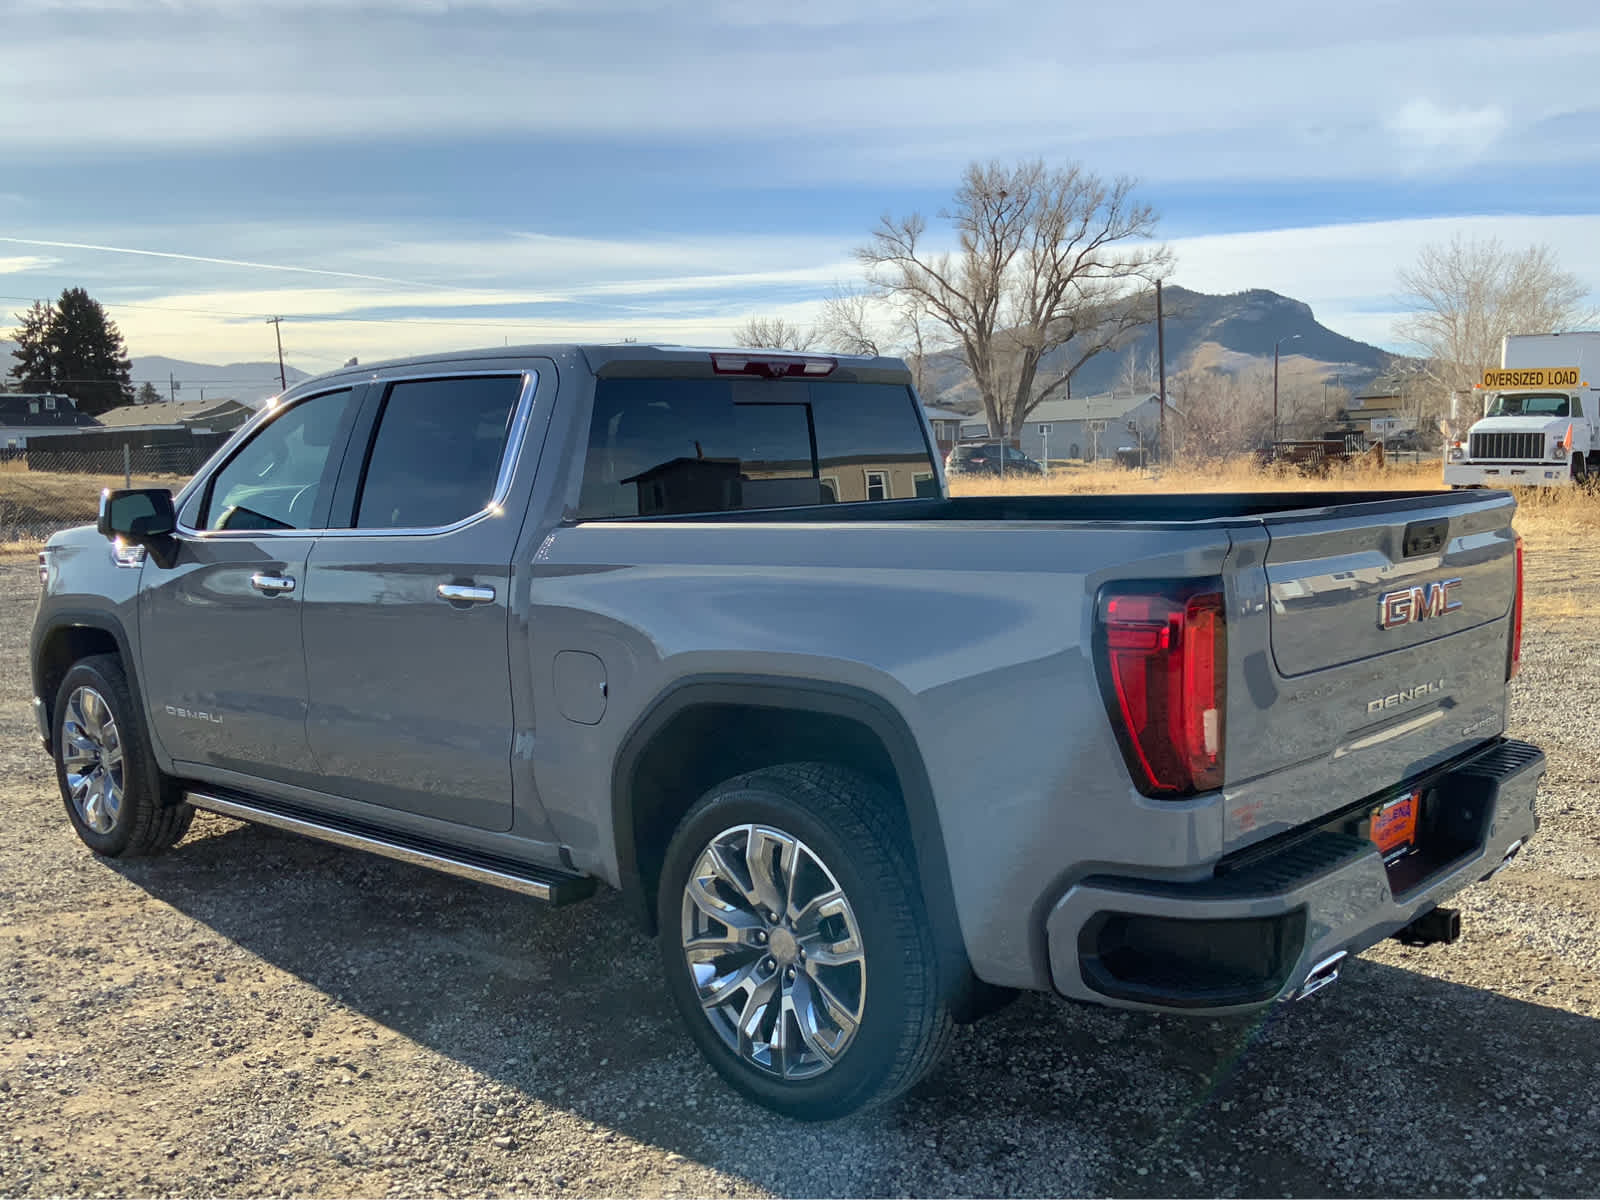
[(117, 799), (796, 944)]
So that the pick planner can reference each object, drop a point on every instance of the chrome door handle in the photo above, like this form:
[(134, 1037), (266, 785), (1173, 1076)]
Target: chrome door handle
[(272, 585), (458, 593)]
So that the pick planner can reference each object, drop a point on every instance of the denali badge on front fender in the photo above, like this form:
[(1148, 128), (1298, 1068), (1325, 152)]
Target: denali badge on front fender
[(190, 714), (1417, 603)]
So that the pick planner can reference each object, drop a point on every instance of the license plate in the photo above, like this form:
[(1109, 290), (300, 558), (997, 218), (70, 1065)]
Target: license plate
[(1394, 825)]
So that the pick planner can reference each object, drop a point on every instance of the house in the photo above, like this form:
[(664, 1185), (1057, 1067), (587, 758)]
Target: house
[(25, 414), (1086, 427), (688, 485), (691, 485), (197, 416), (946, 427), (1381, 412)]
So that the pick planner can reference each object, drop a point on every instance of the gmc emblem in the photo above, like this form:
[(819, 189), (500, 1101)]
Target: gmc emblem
[(1417, 603)]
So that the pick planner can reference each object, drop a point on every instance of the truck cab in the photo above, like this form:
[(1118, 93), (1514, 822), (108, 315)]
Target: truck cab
[(1537, 436)]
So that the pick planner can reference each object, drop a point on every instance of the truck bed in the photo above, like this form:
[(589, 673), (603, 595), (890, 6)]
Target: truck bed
[(1160, 508)]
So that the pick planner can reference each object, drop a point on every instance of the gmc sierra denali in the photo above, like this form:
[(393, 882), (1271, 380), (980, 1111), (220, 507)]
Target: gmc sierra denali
[(707, 628)]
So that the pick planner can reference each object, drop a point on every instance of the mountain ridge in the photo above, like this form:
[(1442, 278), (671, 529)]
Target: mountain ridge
[(1229, 331)]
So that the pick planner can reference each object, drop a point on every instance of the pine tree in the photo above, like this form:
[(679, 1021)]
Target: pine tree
[(148, 393), (88, 358), (32, 355)]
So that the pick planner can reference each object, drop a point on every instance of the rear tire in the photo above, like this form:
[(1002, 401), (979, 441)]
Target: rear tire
[(117, 799), (825, 851)]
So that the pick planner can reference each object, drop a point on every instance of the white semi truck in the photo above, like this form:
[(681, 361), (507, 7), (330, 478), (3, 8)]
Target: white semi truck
[(1541, 416)]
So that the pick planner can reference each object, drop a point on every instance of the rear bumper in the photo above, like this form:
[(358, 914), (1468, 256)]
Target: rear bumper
[(1255, 933), (1507, 474)]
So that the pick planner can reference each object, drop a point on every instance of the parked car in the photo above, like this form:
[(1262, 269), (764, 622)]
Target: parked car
[(984, 459), (561, 617), (1409, 440)]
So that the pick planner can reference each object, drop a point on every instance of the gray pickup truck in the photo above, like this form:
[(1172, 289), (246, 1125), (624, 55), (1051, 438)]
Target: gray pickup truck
[(706, 627)]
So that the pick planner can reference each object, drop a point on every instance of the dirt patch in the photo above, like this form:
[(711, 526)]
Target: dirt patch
[(254, 1014)]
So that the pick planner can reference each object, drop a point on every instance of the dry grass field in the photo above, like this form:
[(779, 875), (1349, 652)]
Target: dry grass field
[(35, 503), (1559, 525)]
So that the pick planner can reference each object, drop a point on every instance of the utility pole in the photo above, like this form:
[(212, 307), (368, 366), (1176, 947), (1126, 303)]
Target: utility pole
[(276, 323), (1161, 358), (1275, 345), (172, 387)]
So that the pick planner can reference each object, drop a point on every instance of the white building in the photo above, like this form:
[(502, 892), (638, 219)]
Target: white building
[(1085, 427)]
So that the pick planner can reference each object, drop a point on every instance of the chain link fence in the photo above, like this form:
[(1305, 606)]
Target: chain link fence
[(45, 490)]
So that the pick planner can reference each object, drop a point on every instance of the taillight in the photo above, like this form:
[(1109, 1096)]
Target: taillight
[(771, 366), (1163, 652), (1514, 659)]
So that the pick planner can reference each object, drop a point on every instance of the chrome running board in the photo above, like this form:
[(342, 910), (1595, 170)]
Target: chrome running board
[(542, 883)]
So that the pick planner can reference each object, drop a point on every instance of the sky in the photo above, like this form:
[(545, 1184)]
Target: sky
[(416, 175)]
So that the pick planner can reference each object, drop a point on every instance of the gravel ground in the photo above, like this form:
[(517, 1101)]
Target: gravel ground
[(257, 1014)]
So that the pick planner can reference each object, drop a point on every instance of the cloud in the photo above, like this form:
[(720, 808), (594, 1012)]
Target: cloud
[(1460, 133), (197, 258), (522, 286), (817, 91), (26, 262)]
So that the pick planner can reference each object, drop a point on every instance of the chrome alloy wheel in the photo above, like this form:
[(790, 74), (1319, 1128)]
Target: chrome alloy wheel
[(774, 950), (91, 756)]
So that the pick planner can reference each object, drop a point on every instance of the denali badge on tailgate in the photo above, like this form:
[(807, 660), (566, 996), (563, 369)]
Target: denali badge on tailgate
[(1417, 603), (1405, 696)]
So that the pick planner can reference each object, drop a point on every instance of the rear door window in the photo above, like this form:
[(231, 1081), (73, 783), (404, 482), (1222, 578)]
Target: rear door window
[(660, 447), (436, 457)]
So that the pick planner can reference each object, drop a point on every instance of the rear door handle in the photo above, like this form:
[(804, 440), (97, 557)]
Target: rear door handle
[(461, 593), (272, 585)]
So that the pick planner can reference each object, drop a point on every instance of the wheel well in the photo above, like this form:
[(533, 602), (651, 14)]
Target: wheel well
[(61, 648), (703, 745)]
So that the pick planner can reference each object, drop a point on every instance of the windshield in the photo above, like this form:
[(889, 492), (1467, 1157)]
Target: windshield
[(1529, 404)]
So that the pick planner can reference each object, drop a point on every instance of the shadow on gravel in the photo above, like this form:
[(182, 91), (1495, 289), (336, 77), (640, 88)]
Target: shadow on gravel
[(1390, 1083)]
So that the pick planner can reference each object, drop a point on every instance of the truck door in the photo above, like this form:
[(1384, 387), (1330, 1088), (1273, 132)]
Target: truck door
[(220, 651), (406, 609)]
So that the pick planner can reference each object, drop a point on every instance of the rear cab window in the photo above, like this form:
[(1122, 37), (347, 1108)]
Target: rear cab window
[(660, 447)]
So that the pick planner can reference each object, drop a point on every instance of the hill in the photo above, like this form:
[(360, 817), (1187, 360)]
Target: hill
[(248, 382), (1230, 332)]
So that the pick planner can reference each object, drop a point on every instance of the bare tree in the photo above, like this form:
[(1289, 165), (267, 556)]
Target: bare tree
[(1138, 373), (857, 320), (1047, 260), (773, 333), (1467, 295), (851, 322), (1222, 414)]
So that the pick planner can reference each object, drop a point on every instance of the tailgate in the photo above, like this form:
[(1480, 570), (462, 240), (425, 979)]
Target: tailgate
[(1375, 647), (1344, 588)]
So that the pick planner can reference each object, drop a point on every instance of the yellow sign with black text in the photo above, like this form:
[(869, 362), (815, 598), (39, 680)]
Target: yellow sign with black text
[(1532, 377)]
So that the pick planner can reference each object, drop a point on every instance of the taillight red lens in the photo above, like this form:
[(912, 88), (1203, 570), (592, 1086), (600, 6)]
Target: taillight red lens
[(1514, 664), (1164, 673)]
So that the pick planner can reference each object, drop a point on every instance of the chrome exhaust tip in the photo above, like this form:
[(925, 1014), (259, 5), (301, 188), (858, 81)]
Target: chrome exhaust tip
[(1511, 852), (1321, 975)]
